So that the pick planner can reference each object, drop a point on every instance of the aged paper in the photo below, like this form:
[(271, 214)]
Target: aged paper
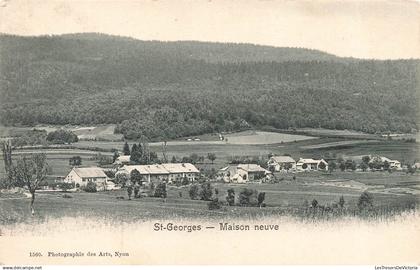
[(153, 132)]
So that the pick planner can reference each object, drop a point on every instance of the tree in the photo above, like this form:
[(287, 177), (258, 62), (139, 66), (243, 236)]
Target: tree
[(261, 198), (366, 159), (341, 202), (136, 191), (160, 190), (314, 203), (365, 201), (8, 165), (136, 177), (193, 192), (342, 166), (211, 157), (174, 160), (115, 156), (230, 198), (185, 181), (248, 197), (386, 165), (65, 186), (31, 171), (126, 149), (135, 155), (90, 187), (363, 166), (62, 136), (121, 179), (75, 161), (206, 192), (322, 166), (332, 166), (129, 191)]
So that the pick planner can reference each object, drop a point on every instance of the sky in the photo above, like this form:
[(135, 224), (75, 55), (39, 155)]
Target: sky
[(362, 29)]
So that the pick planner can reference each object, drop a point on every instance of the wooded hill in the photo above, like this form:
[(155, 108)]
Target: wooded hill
[(164, 90)]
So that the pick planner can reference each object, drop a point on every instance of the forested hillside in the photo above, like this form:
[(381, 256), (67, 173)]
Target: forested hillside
[(164, 90)]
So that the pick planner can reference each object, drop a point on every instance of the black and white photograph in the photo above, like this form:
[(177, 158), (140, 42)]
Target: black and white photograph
[(210, 132)]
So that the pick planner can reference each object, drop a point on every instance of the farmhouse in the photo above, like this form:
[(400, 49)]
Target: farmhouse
[(170, 172), (393, 164), (243, 173), (122, 160), (309, 164), (281, 163), (81, 176)]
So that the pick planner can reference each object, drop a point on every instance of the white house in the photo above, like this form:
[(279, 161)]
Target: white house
[(169, 172), (281, 163), (122, 160), (309, 164), (242, 173), (81, 176)]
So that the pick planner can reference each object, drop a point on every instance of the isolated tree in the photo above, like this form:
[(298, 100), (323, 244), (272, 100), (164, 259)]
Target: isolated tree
[(248, 197), (174, 160), (386, 165), (75, 161), (342, 166), (261, 198), (126, 149), (314, 203), (211, 157), (322, 166), (366, 159), (206, 192), (341, 202), (121, 179), (365, 201), (230, 198), (193, 192), (8, 165), (129, 191), (134, 156), (31, 171)]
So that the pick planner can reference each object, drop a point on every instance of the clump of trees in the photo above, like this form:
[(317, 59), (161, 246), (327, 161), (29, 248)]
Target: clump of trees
[(75, 161), (62, 136)]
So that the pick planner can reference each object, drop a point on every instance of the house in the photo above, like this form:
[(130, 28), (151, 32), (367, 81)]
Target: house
[(81, 176), (243, 173), (417, 165), (169, 172), (281, 163), (309, 164), (393, 163), (122, 160)]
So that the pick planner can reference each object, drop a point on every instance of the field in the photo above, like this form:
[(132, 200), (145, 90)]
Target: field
[(281, 198)]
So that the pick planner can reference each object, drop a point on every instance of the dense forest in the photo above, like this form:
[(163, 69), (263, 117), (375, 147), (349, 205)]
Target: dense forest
[(164, 90)]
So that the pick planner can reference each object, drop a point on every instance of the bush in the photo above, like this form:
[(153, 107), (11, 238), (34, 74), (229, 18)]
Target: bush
[(90, 187), (365, 201), (215, 204), (230, 199), (248, 197), (160, 190), (65, 186), (66, 196), (206, 192), (193, 192)]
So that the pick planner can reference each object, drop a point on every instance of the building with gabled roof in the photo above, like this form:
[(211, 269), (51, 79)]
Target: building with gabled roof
[(122, 160), (242, 173), (281, 163), (81, 176), (309, 164)]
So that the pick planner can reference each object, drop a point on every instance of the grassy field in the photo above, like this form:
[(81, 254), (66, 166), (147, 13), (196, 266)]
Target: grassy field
[(281, 198)]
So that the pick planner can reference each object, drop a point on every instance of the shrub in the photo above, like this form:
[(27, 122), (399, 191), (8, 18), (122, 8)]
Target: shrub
[(215, 204), (248, 197), (314, 203), (160, 190), (193, 192), (206, 192), (365, 201), (230, 199), (90, 187), (341, 202), (65, 186), (66, 196)]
